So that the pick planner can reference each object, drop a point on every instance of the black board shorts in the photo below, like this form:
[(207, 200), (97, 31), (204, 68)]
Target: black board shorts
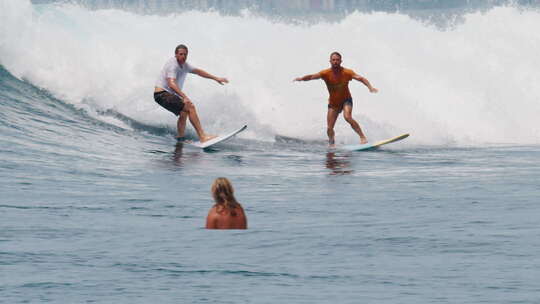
[(347, 101), (171, 102)]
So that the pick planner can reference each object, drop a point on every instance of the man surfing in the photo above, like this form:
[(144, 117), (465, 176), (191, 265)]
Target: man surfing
[(168, 92), (337, 81)]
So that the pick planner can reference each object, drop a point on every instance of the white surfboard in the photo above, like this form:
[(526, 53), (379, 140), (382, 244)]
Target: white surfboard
[(369, 146), (216, 140)]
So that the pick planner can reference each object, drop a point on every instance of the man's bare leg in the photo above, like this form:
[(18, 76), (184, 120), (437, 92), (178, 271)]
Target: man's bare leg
[(331, 118), (347, 114), (181, 124), (195, 122)]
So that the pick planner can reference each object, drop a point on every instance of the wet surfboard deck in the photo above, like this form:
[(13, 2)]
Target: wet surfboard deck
[(374, 145), (216, 140)]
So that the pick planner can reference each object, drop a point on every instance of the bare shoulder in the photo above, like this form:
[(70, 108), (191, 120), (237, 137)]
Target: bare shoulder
[(239, 207), (211, 219), (349, 71), (322, 74), (243, 218), (325, 72), (212, 212)]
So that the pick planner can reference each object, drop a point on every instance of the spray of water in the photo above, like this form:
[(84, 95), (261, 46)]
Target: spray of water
[(473, 83)]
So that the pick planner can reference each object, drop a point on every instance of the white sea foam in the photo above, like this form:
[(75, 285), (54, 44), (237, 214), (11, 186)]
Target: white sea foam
[(476, 82)]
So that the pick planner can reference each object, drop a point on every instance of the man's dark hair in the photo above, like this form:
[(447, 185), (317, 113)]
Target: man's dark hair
[(335, 53), (180, 46)]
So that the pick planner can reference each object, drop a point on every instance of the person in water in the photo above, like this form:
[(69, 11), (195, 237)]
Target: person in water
[(168, 92), (337, 81), (226, 213)]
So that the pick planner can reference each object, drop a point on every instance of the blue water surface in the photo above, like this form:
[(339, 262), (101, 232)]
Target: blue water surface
[(93, 213)]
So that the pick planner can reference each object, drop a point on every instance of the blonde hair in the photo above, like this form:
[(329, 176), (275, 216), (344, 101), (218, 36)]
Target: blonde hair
[(223, 194)]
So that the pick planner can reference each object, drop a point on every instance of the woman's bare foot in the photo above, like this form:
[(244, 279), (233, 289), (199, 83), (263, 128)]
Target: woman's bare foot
[(363, 140)]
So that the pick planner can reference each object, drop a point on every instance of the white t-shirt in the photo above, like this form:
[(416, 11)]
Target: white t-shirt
[(172, 69)]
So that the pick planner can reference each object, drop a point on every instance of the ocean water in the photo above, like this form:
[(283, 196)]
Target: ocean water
[(99, 204)]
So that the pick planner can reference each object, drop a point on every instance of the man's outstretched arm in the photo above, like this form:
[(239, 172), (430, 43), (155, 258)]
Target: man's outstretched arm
[(203, 73), (308, 77), (365, 82)]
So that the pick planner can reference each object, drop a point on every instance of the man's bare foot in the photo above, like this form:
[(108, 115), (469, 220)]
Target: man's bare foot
[(363, 140), (207, 138)]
